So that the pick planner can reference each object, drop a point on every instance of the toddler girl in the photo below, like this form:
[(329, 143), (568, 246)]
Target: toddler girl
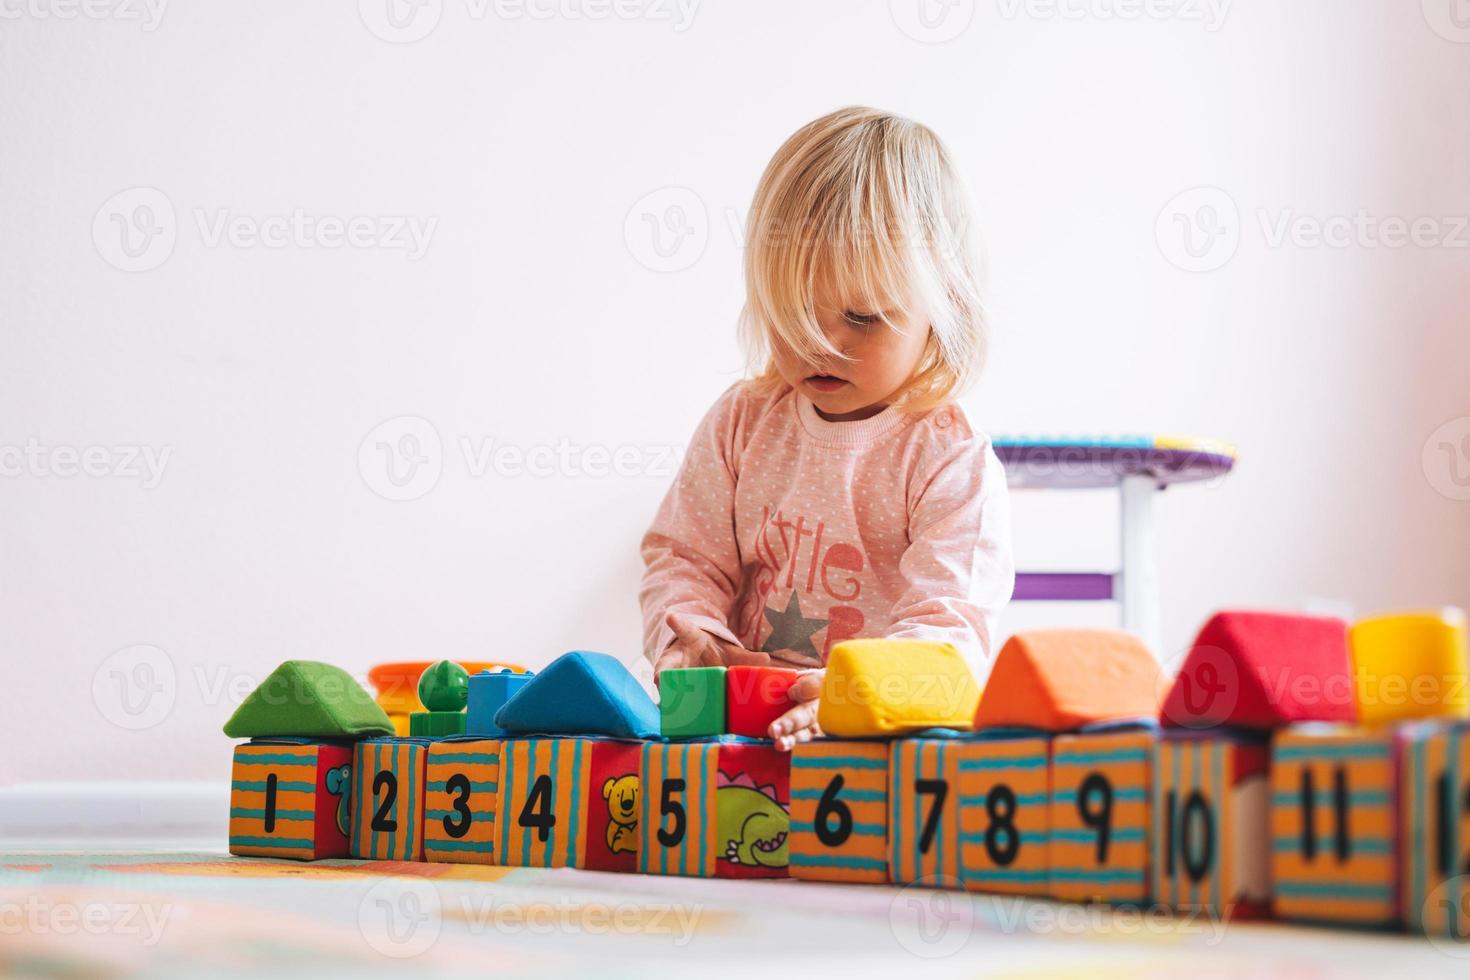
[(840, 492)]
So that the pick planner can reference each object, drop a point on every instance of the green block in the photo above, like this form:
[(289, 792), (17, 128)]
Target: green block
[(692, 702), (436, 724), (307, 699)]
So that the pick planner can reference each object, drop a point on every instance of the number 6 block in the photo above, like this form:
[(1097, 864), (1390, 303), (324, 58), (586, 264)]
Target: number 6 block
[(461, 790), (388, 799), (569, 803), (1101, 786), (1004, 814), (839, 811), (714, 809)]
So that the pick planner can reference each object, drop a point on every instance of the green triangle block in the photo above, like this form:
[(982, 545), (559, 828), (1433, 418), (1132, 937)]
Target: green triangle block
[(307, 699)]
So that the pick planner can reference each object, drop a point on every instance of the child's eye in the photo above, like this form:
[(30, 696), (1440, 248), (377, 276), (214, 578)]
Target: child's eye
[(860, 319)]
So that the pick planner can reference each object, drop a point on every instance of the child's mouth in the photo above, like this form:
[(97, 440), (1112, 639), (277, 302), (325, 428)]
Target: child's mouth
[(825, 382)]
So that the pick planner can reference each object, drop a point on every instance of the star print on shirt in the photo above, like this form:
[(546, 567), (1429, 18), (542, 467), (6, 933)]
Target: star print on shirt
[(792, 631)]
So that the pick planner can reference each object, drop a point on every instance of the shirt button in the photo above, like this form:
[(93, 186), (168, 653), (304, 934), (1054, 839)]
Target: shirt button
[(942, 421)]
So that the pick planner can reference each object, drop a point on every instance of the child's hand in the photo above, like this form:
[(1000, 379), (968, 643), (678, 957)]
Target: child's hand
[(800, 723), (693, 647)]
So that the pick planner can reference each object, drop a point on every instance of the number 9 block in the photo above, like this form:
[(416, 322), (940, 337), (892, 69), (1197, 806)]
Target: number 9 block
[(715, 809), (839, 811), (923, 811), (1004, 814), (289, 799), (461, 791), (388, 799), (1435, 805), (569, 803), (1101, 785)]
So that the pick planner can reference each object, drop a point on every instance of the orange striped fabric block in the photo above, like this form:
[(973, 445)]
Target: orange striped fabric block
[(839, 811), (388, 799), (289, 799), (1004, 814), (1101, 792), (543, 801), (923, 812), (1434, 802), (461, 793)]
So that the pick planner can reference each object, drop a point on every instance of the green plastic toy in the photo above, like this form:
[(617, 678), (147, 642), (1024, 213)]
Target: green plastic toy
[(692, 702), (444, 688)]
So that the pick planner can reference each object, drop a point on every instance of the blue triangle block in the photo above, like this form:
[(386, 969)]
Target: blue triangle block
[(581, 693)]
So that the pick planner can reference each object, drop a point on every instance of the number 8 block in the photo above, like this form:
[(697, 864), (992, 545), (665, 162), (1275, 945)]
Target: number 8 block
[(1101, 786), (839, 811), (1004, 814), (568, 803), (461, 791), (388, 799)]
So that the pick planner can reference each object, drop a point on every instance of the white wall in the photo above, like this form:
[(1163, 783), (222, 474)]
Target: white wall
[(531, 317)]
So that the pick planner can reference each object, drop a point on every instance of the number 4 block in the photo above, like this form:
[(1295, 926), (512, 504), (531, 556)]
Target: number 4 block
[(1101, 785), (569, 803), (289, 799), (388, 799), (839, 811), (461, 789)]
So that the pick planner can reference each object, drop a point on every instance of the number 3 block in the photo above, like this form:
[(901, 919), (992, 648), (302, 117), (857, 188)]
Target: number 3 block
[(1101, 786), (1211, 833), (461, 789), (569, 803), (1436, 813), (923, 811), (716, 809), (388, 799), (1004, 814), (839, 811), (289, 799)]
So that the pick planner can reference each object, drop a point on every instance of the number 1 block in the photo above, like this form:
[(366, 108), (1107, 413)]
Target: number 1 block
[(923, 811), (1101, 789), (569, 803), (839, 811), (289, 798), (461, 790), (1334, 846), (1004, 814), (1211, 832), (1435, 804), (388, 799)]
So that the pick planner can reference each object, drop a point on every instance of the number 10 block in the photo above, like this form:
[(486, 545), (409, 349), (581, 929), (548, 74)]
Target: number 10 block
[(1435, 804), (839, 811)]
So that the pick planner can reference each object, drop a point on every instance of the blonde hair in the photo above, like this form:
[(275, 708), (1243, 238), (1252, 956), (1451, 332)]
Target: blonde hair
[(871, 204)]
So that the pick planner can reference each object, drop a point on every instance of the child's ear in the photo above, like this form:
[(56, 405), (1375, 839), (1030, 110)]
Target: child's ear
[(607, 788)]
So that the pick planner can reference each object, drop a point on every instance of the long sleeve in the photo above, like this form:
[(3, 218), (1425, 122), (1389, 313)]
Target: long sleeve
[(958, 571), (690, 554)]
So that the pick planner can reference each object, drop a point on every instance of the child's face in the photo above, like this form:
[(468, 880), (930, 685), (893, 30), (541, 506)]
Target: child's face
[(882, 357)]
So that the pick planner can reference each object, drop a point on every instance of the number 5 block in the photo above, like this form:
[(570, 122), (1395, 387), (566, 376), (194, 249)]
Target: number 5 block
[(461, 789), (569, 803), (388, 799), (1101, 785), (839, 811), (1004, 816), (1436, 813), (714, 809), (923, 811), (1333, 837), (289, 799)]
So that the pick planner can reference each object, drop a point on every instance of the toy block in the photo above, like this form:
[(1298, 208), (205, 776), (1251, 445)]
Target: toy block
[(306, 699), (755, 697), (714, 809), (1434, 805), (839, 811), (1004, 792), (889, 687), (461, 791), (1411, 665), (290, 798), (1101, 793), (923, 810), (581, 693), (388, 799), (569, 803), (1059, 680), (1211, 825), (1334, 833), (488, 691), (1263, 670), (443, 689), (692, 702)]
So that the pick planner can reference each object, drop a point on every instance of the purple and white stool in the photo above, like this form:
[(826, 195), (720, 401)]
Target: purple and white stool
[(1137, 466)]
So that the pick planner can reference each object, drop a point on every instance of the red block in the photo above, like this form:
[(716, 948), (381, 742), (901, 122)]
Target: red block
[(755, 697), (1263, 670), (612, 807)]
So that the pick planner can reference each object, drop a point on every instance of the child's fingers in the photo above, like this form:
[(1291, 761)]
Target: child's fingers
[(808, 686), (788, 742), (799, 717)]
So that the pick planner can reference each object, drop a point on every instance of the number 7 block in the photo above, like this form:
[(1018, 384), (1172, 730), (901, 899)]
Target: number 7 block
[(839, 811), (388, 799), (923, 811)]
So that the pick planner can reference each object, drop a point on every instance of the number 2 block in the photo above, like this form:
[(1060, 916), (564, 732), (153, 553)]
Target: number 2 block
[(461, 791), (1435, 805), (569, 803), (1101, 789), (289, 798), (1211, 833), (923, 812), (1333, 838), (839, 811), (1004, 814), (388, 799)]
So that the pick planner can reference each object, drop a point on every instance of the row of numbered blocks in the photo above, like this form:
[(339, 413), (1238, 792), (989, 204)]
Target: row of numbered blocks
[(1344, 827)]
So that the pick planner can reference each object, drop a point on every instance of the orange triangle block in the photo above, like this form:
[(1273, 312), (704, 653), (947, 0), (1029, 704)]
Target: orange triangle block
[(1061, 679)]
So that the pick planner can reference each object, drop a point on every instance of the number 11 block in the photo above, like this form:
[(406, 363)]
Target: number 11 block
[(839, 811)]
